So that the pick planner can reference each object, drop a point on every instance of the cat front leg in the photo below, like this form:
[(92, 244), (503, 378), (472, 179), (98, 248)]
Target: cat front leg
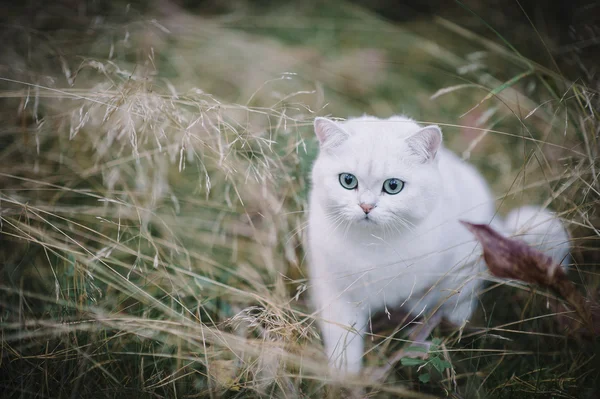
[(342, 326), (458, 309)]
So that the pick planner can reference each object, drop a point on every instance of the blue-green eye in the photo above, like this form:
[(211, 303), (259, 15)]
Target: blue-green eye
[(393, 186), (348, 181)]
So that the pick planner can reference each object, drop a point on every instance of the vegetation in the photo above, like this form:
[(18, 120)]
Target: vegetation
[(154, 169)]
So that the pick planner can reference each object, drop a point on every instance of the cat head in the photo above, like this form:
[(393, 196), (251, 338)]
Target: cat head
[(376, 173)]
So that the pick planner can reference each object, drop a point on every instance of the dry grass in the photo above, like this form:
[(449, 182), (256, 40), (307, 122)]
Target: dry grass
[(153, 179)]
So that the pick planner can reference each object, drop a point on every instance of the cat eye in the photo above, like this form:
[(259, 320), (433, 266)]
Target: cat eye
[(393, 186), (348, 181)]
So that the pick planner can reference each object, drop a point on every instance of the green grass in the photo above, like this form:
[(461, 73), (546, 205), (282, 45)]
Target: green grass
[(153, 183)]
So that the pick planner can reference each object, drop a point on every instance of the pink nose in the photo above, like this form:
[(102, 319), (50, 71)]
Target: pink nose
[(367, 207)]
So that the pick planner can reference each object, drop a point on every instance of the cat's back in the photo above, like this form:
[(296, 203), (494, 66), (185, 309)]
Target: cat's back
[(465, 190)]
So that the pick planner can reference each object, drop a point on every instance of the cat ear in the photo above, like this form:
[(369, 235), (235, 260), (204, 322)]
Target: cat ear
[(329, 133), (426, 142)]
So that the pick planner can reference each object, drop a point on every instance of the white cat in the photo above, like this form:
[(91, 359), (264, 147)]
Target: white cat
[(383, 229)]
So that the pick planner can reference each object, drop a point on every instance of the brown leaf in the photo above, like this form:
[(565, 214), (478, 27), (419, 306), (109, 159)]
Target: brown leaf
[(513, 259), (571, 325)]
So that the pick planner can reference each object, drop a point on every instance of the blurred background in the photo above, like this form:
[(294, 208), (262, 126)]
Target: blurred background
[(154, 162)]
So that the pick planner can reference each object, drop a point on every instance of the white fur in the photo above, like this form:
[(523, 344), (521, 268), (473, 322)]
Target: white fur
[(411, 251), (541, 229)]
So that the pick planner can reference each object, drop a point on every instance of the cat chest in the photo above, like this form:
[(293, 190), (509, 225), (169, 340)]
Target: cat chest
[(372, 272)]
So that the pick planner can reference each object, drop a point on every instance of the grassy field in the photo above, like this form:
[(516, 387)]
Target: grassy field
[(154, 170)]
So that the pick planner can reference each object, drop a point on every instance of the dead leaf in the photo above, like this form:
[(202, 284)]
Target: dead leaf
[(514, 259)]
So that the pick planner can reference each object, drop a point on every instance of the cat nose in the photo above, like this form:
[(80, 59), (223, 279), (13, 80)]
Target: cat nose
[(366, 207)]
